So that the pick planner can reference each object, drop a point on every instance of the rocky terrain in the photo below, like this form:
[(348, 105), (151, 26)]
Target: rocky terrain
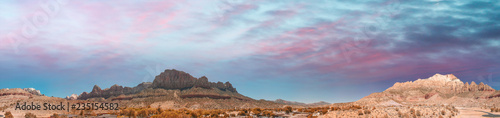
[(436, 96), (408, 111), (438, 89), (72, 97), (168, 80), (21, 92), (177, 89)]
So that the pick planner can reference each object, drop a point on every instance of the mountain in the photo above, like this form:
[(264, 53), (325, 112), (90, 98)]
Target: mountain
[(177, 89), (29, 92), (438, 89), (293, 103)]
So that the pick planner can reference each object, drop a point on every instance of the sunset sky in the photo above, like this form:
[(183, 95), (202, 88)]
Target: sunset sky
[(298, 50)]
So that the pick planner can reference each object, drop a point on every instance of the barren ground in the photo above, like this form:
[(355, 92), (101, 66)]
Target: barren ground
[(476, 113)]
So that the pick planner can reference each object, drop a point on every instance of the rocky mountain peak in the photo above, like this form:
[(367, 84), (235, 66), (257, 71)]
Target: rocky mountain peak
[(449, 83), (174, 79), (169, 79), (33, 91), (72, 97), (437, 88), (96, 89), (447, 78)]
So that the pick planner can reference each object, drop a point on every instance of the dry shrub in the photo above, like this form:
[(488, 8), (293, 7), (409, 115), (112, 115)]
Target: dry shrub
[(8, 114), (30, 115), (335, 108), (288, 109), (268, 113), (368, 111), (256, 111), (324, 111)]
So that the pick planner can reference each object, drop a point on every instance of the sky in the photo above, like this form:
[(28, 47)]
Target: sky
[(306, 51)]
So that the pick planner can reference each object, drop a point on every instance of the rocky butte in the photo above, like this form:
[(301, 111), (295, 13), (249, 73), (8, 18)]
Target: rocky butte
[(177, 89), (438, 89), (169, 80)]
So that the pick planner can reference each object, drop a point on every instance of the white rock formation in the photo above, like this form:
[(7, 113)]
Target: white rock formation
[(72, 97), (32, 91)]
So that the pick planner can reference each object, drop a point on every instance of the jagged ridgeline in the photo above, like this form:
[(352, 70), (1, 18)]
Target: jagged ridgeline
[(438, 89), (168, 80)]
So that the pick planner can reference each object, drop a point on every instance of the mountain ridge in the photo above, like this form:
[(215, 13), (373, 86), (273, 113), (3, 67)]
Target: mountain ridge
[(437, 89), (170, 79), (315, 104)]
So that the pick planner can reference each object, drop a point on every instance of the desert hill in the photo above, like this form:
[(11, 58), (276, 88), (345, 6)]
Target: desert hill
[(177, 89), (438, 89), (9, 98)]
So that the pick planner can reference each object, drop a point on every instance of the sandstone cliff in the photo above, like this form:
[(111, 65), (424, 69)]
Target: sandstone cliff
[(438, 89), (173, 79), (169, 80)]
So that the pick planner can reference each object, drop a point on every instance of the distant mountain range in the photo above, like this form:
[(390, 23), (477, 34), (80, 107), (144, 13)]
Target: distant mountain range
[(321, 103)]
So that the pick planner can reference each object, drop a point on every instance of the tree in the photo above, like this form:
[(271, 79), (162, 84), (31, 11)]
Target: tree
[(8, 115)]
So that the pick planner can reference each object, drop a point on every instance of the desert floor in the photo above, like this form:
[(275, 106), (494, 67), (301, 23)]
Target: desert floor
[(476, 113)]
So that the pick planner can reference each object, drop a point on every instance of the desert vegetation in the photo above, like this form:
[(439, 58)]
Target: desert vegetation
[(224, 113), (8, 114), (495, 109), (410, 111), (30, 115), (334, 111)]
